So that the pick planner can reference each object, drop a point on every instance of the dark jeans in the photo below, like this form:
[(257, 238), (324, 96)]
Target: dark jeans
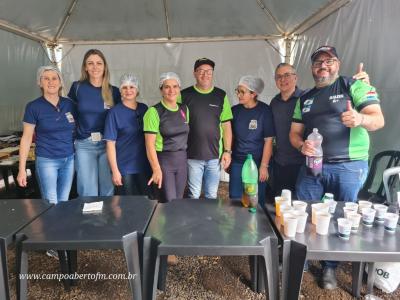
[(133, 184), (285, 177)]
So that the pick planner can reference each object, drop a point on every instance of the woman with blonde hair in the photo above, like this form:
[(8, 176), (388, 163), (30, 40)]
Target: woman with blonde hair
[(94, 96)]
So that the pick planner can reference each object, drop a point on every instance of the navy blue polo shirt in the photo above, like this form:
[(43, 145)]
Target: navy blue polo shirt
[(125, 126), (250, 126), (91, 108), (54, 126), (282, 111)]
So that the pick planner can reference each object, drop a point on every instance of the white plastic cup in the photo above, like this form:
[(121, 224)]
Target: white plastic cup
[(344, 228), (300, 205), (301, 220), (290, 225), (363, 204), (355, 218), (368, 216), (332, 206), (287, 195), (323, 207), (352, 205), (279, 202), (398, 198), (347, 210), (323, 219), (390, 222), (287, 214), (381, 211)]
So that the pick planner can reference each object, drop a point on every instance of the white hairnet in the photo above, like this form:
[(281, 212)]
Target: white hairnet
[(43, 69), (168, 75), (254, 84), (130, 80)]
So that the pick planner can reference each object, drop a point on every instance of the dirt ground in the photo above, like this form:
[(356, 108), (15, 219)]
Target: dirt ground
[(192, 278)]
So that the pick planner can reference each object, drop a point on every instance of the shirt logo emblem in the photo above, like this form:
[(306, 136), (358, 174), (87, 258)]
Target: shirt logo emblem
[(336, 98), (253, 124), (307, 105)]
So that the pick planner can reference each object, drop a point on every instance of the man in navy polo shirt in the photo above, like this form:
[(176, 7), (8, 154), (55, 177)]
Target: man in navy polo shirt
[(343, 110)]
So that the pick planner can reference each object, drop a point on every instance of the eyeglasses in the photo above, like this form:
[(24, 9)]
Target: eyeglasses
[(283, 76), (328, 62), (202, 72), (240, 92)]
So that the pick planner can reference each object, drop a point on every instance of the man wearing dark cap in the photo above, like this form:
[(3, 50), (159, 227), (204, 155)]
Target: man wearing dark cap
[(210, 136), (343, 110)]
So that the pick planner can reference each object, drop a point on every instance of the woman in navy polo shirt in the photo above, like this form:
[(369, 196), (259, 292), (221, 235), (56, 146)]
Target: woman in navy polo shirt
[(126, 150), (94, 96), (253, 129), (52, 118)]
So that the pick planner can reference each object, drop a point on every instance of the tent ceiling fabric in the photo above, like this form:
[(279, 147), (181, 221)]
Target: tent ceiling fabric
[(157, 20)]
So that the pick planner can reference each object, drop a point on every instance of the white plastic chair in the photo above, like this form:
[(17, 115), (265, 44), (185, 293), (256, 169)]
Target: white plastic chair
[(386, 175)]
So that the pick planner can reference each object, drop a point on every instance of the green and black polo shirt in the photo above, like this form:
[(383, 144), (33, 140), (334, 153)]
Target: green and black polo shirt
[(171, 126), (322, 108), (208, 110)]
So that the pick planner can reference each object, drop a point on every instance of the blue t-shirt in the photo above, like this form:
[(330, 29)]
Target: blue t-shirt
[(54, 126), (125, 126), (91, 108), (250, 126)]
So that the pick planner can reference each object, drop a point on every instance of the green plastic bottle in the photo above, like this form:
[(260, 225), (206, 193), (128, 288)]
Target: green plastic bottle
[(250, 183)]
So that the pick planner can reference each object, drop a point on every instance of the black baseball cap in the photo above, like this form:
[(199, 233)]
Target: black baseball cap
[(204, 61), (324, 49)]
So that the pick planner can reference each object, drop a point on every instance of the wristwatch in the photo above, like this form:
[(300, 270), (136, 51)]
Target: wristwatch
[(228, 151)]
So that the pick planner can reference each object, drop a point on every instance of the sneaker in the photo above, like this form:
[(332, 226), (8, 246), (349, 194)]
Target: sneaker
[(52, 253), (329, 281)]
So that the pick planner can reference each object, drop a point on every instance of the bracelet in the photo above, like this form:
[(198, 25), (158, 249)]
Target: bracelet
[(228, 151), (264, 165)]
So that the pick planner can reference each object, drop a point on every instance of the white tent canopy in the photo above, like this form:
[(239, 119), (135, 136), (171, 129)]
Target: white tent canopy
[(148, 37)]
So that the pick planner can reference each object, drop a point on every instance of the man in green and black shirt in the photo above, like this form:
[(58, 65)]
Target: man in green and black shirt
[(343, 110), (210, 135)]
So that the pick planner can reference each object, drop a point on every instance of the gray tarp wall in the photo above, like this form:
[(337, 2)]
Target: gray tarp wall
[(233, 59), (364, 31), (19, 60)]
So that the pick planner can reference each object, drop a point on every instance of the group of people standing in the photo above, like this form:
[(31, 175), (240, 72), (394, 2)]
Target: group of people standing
[(185, 139)]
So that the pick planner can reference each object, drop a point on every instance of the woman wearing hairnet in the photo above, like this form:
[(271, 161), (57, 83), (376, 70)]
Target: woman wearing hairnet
[(52, 119), (253, 130), (126, 150), (166, 127)]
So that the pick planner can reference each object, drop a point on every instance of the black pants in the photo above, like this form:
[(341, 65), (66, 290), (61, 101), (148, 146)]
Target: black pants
[(134, 184), (285, 177), (174, 174)]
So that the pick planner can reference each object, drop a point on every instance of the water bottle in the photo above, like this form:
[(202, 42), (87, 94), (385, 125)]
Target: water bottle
[(250, 183), (314, 163)]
